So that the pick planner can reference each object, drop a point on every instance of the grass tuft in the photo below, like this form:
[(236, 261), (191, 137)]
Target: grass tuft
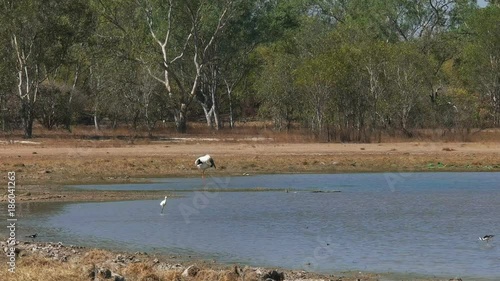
[(32, 268)]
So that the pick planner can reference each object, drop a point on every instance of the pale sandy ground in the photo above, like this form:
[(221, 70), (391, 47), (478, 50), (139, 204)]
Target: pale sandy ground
[(51, 148), (44, 166)]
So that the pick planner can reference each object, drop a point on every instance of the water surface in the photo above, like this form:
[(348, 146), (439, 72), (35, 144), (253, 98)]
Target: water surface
[(352, 182), (422, 223)]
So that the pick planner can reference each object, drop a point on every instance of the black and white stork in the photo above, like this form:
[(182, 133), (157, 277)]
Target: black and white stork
[(203, 163), (33, 236), (486, 238)]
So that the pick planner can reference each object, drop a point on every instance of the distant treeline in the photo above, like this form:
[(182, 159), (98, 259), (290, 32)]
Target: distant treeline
[(346, 70)]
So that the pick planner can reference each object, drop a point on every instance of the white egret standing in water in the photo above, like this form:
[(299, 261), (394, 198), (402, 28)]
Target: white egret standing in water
[(163, 203)]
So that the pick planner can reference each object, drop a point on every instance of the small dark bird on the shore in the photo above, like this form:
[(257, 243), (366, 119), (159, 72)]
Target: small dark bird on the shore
[(486, 238), (33, 236)]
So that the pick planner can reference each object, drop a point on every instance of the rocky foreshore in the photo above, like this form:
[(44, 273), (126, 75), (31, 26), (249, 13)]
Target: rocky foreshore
[(56, 261)]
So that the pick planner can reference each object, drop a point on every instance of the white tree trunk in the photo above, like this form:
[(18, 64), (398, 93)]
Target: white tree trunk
[(27, 85), (182, 93)]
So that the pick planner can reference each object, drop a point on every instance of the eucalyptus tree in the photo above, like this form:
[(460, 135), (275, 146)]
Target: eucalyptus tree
[(141, 99), (230, 59), (480, 61), (417, 19), (184, 33), (117, 84), (316, 85), (407, 72), (276, 90), (286, 44), (41, 32), (8, 108), (314, 75), (374, 63), (493, 2)]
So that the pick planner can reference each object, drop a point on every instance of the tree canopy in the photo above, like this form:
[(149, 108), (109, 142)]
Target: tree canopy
[(346, 70)]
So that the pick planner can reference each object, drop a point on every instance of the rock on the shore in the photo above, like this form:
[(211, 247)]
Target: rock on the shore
[(274, 276), (190, 271), (117, 277), (104, 273), (119, 259), (234, 275), (90, 270)]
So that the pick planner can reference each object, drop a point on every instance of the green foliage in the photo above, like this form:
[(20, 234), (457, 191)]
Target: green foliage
[(54, 108), (346, 70), (278, 95), (480, 62), (41, 34)]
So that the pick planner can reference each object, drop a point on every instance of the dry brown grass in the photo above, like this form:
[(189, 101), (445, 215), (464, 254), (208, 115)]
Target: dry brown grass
[(242, 131), (141, 271), (445, 135), (172, 275), (34, 268), (95, 256)]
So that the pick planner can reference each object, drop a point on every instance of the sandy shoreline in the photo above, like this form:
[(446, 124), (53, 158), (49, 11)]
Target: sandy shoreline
[(44, 167)]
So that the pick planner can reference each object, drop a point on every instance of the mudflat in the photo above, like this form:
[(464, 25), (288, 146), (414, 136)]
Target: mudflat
[(44, 167)]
